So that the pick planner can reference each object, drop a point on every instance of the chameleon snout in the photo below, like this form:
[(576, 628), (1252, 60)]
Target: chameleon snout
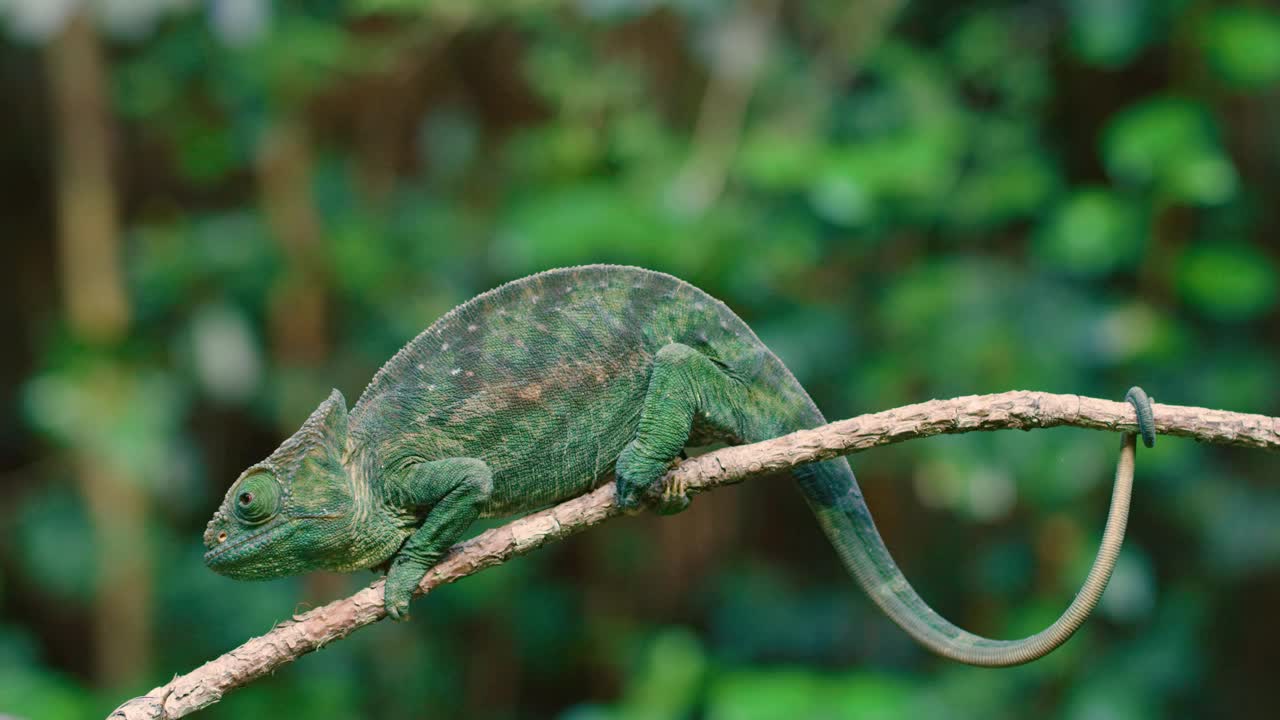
[(215, 534)]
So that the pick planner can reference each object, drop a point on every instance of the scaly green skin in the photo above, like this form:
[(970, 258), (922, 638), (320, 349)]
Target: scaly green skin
[(528, 395)]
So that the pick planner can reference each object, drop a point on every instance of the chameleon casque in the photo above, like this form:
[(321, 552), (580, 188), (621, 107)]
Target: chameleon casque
[(538, 391)]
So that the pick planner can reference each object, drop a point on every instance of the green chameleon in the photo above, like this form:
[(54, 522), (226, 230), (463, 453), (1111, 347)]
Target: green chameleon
[(541, 390)]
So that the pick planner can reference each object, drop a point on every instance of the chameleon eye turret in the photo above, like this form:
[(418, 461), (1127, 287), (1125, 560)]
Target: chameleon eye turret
[(257, 499)]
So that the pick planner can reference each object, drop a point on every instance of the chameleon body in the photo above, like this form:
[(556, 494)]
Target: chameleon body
[(536, 392)]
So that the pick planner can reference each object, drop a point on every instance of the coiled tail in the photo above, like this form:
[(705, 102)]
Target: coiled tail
[(833, 495)]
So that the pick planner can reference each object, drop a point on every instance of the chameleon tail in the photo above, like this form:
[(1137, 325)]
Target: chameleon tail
[(833, 495), (687, 387)]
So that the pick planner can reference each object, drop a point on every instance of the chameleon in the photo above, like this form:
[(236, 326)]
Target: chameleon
[(548, 387)]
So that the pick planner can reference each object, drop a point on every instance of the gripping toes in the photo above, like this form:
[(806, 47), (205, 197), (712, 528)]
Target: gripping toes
[(636, 474), (402, 580), (675, 495)]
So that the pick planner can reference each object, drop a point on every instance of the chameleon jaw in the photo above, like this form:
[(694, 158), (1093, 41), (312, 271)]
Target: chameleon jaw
[(223, 557)]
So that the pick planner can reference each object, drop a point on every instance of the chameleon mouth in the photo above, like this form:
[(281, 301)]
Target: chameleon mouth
[(223, 555)]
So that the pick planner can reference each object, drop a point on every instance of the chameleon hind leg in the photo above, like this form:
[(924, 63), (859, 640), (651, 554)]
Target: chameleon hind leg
[(689, 393)]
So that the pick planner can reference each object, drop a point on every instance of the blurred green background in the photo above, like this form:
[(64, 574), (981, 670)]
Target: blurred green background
[(215, 212)]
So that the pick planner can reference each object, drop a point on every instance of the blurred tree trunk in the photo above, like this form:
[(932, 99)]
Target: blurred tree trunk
[(298, 312), (98, 312), (86, 199), (298, 316)]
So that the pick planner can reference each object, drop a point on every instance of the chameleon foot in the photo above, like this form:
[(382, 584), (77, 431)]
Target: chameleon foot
[(402, 580), (636, 479)]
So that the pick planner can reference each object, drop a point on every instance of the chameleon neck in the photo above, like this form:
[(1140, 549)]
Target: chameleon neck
[(375, 532)]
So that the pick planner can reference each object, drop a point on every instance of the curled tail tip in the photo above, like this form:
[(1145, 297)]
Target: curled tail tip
[(860, 546), (1141, 402)]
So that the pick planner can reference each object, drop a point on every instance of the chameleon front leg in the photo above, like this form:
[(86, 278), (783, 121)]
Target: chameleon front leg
[(451, 492), (685, 386)]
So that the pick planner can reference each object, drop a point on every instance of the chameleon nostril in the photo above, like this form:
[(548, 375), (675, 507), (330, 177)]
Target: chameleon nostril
[(222, 537)]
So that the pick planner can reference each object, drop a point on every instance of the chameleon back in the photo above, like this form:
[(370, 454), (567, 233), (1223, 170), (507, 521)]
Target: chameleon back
[(543, 379)]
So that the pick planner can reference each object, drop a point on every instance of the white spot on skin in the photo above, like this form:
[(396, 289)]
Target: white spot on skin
[(472, 328), (455, 371), (699, 306), (431, 388), (421, 366), (470, 374), (444, 346), (534, 299)]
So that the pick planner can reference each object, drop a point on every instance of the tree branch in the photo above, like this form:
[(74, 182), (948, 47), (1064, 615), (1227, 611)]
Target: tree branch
[(1021, 410)]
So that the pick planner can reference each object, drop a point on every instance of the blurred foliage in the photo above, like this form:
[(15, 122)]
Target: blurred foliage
[(1071, 197)]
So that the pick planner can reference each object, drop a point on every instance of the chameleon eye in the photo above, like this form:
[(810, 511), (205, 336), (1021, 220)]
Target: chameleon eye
[(257, 499)]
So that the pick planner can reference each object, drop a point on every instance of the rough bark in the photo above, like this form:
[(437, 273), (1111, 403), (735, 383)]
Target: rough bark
[(1017, 410)]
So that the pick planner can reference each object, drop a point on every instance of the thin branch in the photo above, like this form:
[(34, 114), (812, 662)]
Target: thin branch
[(1021, 410)]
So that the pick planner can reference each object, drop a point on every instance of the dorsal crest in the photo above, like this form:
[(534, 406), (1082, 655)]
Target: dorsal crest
[(325, 429)]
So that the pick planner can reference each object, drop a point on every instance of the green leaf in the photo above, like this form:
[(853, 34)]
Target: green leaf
[(780, 161), (32, 691), (55, 524), (751, 694), (668, 683), (1242, 44), (1109, 33), (759, 695), (1007, 177), (1231, 281), (912, 167), (1094, 231), (1170, 145)]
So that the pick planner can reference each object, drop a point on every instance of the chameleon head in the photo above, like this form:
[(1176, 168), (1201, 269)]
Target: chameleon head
[(291, 512)]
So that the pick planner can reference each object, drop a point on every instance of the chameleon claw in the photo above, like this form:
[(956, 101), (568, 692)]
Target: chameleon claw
[(675, 493), (1141, 403), (676, 488), (399, 612)]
